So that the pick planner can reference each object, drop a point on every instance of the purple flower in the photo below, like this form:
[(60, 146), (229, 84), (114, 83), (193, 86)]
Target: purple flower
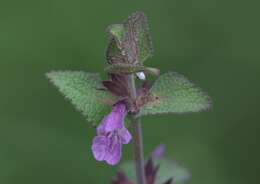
[(111, 134)]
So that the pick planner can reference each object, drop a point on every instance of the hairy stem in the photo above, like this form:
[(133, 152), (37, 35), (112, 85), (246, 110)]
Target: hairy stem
[(137, 137), (138, 151)]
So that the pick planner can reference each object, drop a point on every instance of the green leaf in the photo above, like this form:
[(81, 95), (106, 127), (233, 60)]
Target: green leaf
[(81, 89), (121, 68), (174, 93), (137, 43), (118, 32), (113, 53), (168, 168), (132, 39), (129, 169), (124, 68)]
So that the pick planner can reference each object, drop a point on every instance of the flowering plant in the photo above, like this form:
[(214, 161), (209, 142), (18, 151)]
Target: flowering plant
[(109, 103)]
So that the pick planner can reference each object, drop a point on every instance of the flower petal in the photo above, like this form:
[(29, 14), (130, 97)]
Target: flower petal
[(113, 154), (114, 120), (120, 107), (111, 122), (99, 147), (125, 135)]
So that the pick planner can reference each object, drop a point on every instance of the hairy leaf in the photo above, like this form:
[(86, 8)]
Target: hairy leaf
[(129, 68), (118, 32), (124, 68), (174, 93), (113, 53), (132, 40), (137, 42), (81, 89)]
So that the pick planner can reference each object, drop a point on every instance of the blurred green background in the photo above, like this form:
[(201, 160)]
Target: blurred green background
[(215, 43)]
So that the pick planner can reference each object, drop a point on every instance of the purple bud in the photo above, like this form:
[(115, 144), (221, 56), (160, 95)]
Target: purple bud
[(158, 152)]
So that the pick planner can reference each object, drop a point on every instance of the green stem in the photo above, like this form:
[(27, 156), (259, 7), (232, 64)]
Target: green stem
[(137, 137)]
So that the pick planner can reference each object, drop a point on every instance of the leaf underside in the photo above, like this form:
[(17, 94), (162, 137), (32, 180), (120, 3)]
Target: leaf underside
[(175, 94), (82, 89)]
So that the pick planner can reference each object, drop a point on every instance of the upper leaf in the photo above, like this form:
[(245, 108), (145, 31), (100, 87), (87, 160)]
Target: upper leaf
[(137, 43), (174, 93), (113, 53), (133, 38), (118, 32), (81, 89), (121, 68)]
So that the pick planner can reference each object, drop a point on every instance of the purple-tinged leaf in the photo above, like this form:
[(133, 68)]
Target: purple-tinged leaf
[(137, 44), (121, 179)]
